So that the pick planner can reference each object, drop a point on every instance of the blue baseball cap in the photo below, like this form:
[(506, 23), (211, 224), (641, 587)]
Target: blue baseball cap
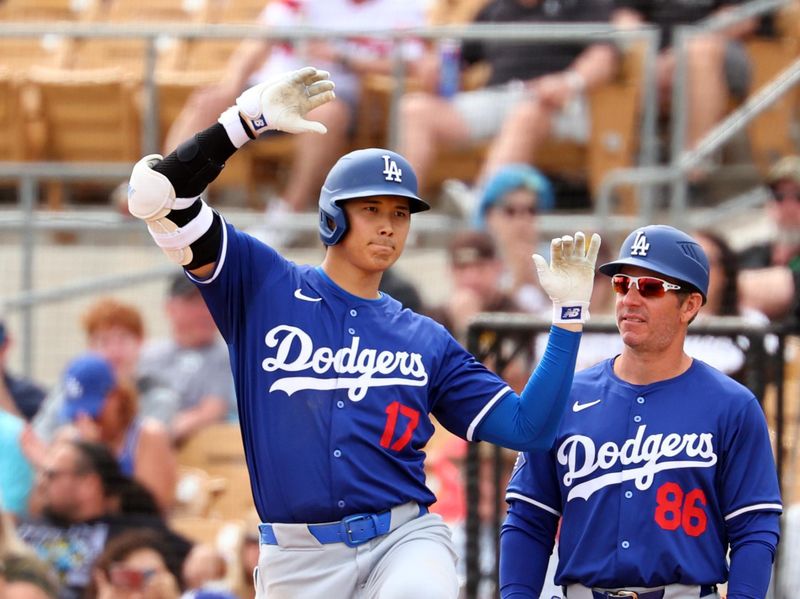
[(664, 250), (87, 382), (509, 178)]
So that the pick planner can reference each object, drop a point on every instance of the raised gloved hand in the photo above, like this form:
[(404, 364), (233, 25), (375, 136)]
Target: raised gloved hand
[(569, 278), (281, 104)]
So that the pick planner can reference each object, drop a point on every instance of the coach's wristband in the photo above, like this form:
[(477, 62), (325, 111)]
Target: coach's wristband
[(570, 312)]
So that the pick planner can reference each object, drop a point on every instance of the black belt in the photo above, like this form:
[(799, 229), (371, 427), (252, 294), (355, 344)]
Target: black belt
[(658, 594)]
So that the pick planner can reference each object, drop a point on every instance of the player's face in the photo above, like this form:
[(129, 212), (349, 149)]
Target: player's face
[(377, 229), (650, 324)]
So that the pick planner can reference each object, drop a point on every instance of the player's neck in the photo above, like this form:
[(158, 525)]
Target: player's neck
[(642, 368), (353, 280)]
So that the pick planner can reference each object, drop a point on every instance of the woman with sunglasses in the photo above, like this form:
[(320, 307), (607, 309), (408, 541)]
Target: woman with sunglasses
[(661, 463)]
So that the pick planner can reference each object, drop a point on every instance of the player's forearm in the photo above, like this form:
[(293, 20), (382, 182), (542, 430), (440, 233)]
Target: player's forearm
[(197, 162), (751, 566), (529, 421), (754, 540), (525, 548)]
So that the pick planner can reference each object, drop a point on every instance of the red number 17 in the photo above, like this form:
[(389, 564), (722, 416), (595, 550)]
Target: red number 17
[(392, 411)]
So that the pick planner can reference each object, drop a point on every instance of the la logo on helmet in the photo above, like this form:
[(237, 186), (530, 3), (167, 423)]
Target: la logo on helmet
[(391, 170), (640, 245)]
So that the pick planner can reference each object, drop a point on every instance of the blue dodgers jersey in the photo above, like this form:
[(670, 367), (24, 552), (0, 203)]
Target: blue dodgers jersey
[(646, 476), (334, 391)]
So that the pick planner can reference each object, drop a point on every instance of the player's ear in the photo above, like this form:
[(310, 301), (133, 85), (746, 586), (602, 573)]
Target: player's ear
[(690, 307)]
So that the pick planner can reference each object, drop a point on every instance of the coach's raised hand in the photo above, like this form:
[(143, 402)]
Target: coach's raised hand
[(569, 278), (282, 104)]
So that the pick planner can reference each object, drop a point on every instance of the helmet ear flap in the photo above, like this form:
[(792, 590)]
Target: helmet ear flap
[(332, 223)]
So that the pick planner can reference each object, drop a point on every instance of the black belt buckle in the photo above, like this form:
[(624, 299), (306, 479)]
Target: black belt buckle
[(622, 595)]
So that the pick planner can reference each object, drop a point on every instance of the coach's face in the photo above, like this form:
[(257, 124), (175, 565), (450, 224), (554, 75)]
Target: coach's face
[(651, 324), (377, 229)]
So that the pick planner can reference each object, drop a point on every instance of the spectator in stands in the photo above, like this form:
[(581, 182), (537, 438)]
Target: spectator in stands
[(26, 577), (115, 330), (475, 271), (724, 353), (102, 408), (507, 209), (193, 360), (133, 565), (86, 501), (244, 557), (534, 91), (16, 472), (770, 279), (18, 395), (347, 60), (10, 543), (204, 574), (717, 64)]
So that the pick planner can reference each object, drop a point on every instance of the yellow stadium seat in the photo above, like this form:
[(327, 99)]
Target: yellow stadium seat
[(12, 134), (38, 10), (217, 450), (81, 116)]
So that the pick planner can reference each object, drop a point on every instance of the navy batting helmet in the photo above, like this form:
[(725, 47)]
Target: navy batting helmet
[(361, 174), (665, 250)]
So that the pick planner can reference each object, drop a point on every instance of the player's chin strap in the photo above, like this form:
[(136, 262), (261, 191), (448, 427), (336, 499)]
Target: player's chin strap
[(174, 223)]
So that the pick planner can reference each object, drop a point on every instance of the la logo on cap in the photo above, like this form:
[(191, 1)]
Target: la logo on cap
[(73, 388), (640, 245), (391, 171)]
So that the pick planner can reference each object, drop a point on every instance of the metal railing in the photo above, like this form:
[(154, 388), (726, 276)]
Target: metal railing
[(682, 160)]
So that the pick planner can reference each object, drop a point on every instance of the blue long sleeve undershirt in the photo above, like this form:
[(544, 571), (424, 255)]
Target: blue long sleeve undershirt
[(528, 422), (526, 542)]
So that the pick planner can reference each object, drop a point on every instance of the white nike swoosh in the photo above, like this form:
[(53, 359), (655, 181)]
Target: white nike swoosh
[(299, 295), (577, 406)]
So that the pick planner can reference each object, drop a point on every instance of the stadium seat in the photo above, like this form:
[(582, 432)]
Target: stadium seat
[(150, 11), (771, 133), (12, 135), (38, 10), (81, 116), (18, 54), (208, 56), (217, 450), (235, 11), (199, 529), (195, 492)]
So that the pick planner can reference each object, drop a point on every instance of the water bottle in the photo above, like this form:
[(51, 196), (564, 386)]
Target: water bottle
[(449, 67)]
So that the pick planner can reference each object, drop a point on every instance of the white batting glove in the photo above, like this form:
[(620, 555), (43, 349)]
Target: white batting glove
[(569, 278), (282, 104)]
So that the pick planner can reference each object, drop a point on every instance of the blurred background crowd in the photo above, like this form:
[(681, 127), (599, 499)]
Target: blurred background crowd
[(121, 466)]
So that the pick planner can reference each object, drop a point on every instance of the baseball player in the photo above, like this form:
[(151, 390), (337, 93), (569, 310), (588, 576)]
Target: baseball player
[(661, 463), (335, 381)]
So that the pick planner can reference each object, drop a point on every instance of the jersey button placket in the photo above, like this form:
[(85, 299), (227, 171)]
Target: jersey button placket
[(627, 517)]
